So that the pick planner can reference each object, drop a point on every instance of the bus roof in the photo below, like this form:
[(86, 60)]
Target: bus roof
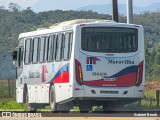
[(68, 25), (80, 21)]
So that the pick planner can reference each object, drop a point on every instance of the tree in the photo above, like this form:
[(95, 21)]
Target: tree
[(14, 7), (2, 7)]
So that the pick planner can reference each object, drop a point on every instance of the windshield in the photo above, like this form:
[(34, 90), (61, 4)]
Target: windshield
[(109, 39)]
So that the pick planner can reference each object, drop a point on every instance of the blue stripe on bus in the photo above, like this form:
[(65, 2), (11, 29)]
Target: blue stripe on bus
[(127, 70)]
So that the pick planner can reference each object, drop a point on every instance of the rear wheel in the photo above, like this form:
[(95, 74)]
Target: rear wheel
[(30, 106), (52, 99)]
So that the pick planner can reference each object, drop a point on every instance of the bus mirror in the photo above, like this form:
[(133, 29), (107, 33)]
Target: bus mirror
[(14, 55)]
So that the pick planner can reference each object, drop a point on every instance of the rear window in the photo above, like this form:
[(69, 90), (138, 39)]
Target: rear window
[(109, 39)]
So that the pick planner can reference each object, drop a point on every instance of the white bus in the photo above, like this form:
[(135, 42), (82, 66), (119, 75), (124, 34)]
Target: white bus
[(81, 63)]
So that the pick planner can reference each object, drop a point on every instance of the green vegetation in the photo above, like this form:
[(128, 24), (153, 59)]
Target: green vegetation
[(11, 104)]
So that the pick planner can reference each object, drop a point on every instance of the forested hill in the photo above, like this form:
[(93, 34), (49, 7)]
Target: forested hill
[(15, 21), (12, 23)]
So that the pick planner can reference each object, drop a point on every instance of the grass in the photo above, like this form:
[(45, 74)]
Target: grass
[(11, 104)]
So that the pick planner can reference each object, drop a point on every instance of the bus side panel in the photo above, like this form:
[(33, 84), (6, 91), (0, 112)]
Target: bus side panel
[(61, 81), (66, 90), (19, 94), (19, 89), (38, 93), (32, 93), (58, 92)]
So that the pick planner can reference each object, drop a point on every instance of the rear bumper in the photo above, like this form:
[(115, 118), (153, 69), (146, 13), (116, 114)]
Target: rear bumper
[(103, 101), (133, 92)]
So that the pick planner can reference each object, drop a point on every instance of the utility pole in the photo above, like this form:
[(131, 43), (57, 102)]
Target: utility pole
[(129, 11), (114, 10)]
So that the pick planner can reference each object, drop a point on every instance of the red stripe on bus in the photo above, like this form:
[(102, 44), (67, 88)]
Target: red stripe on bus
[(62, 78), (122, 81)]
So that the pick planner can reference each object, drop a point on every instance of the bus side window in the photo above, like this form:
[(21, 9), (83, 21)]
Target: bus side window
[(67, 45), (51, 48), (70, 45), (59, 39), (20, 57), (27, 51), (46, 49), (42, 48), (35, 50)]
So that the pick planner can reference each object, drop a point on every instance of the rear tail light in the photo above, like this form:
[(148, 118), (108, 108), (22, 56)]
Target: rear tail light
[(79, 74), (139, 74)]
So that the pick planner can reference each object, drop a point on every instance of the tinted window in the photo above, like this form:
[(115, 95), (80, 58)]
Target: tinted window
[(21, 57), (109, 39), (27, 51), (59, 47), (67, 45), (70, 45), (35, 50), (42, 45), (51, 48), (46, 49)]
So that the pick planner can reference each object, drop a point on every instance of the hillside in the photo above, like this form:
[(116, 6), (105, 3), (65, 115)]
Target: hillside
[(13, 22), (107, 8)]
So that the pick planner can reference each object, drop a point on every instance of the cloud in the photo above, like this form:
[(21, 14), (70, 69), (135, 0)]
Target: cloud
[(22, 3)]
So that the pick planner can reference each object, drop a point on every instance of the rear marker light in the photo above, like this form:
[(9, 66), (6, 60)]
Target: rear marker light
[(82, 24), (110, 54), (140, 90), (79, 74), (139, 74), (77, 89)]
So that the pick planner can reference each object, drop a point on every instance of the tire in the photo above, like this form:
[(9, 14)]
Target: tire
[(52, 99), (30, 106), (25, 94)]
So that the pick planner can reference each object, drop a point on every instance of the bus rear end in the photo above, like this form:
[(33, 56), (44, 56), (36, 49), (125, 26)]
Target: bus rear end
[(109, 63)]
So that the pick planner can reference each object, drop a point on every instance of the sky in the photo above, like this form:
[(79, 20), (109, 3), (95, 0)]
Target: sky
[(45, 5)]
